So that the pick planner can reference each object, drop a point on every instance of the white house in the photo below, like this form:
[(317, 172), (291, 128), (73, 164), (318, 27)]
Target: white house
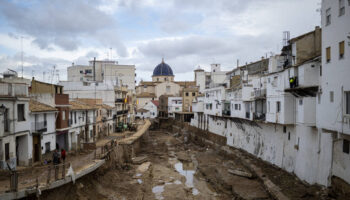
[(174, 105), (43, 129), (333, 100), (15, 140), (150, 110)]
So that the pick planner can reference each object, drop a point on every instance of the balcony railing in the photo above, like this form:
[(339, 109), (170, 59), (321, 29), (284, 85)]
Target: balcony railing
[(40, 126), (260, 93), (259, 116), (226, 112), (119, 100)]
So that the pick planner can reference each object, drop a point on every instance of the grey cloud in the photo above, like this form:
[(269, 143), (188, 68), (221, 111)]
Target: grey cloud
[(61, 22), (199, 45), (35, 66)]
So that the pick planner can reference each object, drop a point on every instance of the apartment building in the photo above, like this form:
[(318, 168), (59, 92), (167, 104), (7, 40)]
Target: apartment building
[(108, 71), (15, 139), (333, 98)]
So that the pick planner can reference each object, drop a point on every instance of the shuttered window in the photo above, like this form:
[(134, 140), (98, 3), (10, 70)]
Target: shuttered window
[(341, 49), (328, 54)]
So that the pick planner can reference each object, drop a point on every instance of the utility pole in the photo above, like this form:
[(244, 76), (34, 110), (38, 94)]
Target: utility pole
[(22, 54)]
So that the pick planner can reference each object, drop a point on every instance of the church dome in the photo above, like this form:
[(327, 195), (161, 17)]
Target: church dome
[(163, 69)]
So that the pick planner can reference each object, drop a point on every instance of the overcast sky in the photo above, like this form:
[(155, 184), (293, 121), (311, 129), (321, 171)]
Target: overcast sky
[(187, 33)]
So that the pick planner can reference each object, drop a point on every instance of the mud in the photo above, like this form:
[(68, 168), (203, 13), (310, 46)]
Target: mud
[(176, 170)]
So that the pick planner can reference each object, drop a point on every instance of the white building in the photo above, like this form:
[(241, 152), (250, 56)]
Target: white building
[(214, 100), (174, 105), (103, 71), (15, 140), (333, 100), (150, 110), (90, 90), (43, 129), (206, 80)]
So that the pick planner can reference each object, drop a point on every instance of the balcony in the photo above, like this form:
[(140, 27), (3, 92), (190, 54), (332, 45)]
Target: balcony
[(226, 112), (259, 93), (303, 91), (119, 100), (259, 116), (39, 126)]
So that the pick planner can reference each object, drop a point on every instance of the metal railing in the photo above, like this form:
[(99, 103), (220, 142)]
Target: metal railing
[(40, 126)]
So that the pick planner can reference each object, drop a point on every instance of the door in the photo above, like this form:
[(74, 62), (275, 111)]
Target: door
[(36, 148)]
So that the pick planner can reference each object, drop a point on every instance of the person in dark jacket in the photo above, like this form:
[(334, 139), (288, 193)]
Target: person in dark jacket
[(56, 157)]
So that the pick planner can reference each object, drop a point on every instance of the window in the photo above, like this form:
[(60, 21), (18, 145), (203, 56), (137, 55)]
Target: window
[(88, 71), (346, 146), (320, 70), (186, 94), (75, 117), (288, 135), (284, 129), (193, 94), (236, 106), (47, 147), (167, 89), (328, 54), (81, 71), (300, 102), (239, 106), (341, 7), (278, 106), (217, 106), (341, 49), (63, 113), (45, 120), (211, 106), (331, 96), (7, 151), (20, 112), (268, 106), (328, 16), (347, 102)]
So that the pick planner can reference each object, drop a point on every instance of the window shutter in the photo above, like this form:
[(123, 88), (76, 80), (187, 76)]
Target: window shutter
[(341, 49), (328, 54)]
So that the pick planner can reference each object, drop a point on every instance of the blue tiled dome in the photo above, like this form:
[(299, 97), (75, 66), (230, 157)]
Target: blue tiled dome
[(163, 69)]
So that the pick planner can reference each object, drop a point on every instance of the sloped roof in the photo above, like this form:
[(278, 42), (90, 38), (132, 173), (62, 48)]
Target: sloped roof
[(186, 83), (107, 107), (78, 105), (146, 94), (35, 106), (155, 102), (142, 110)]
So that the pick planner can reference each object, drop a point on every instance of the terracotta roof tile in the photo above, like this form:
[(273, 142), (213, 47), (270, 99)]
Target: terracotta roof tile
[(35, 106)]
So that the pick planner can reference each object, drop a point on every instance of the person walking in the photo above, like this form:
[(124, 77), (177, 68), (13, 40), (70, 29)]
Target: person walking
[(63, 155)]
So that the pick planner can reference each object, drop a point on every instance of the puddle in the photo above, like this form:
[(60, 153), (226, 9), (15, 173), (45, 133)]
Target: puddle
[(158, 190), (187, 170)]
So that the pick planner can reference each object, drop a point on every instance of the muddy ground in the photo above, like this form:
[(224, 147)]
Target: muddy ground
[(178, 170)]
